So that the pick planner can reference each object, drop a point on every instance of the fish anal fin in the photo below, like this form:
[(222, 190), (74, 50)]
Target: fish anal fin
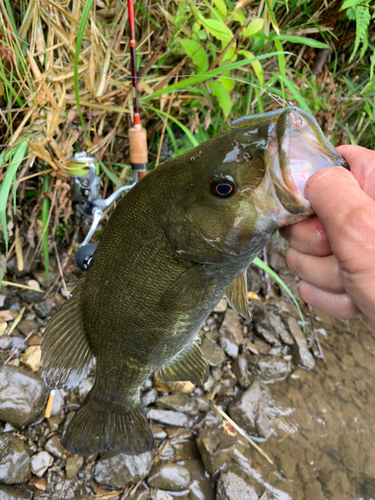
[(189, 365), (236, 294), (190, 288), (66, 354)]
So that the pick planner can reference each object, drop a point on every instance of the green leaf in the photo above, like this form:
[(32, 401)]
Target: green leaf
[(257, 67), (197, 53), (258, 262), (254, 26), (15, 156), (226, 81), (223, 97), (221, 6), (303, 40), (209, 74), (218, 29), (350, 3)]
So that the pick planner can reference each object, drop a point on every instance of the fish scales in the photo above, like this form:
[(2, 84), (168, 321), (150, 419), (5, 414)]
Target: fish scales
[(175, 244)]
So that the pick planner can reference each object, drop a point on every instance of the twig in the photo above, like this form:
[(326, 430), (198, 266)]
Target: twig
[(19, 347), (242, 432), (60, 268), (68, 254), (315, 334)]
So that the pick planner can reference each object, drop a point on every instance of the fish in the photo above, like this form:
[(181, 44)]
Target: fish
[(177, 242)]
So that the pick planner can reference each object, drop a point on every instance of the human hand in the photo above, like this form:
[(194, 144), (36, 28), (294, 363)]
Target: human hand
[(333, 252)]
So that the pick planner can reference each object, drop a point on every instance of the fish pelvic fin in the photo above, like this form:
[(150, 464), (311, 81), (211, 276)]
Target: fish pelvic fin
[(99, 426), (236, 294), (66, 354), (188, 365)]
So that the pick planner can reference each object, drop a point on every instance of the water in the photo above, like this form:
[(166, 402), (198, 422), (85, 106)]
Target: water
[(323, 441)]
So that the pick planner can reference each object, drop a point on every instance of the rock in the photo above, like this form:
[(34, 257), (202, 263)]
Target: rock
[(168, 417), (177, 402), (169, 476), (271, 368), (273, 330), (221, 307), (17, 340), (232, 326), (23, 395), (119, 470), (58, 403), (31, 296), (231, 486), (212, 352), (241, 370), (32, 358), (54, 447), (5, 343), (160, 495), (255, 279), (72, 466), (40, 276), (29, 263), (14, 493), (201, 487), (42, 309), (158, 432), (85, 387), (181, 387), (139, 495), (304, 356), (27, 325), (149, 397), (40, 463), (182, 445), (14, 460), (249, 412)]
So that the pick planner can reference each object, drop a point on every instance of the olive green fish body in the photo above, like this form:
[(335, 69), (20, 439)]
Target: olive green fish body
[(176, 243)]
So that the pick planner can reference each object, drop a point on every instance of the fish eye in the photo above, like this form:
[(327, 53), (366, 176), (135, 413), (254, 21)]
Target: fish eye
[(223, 186)]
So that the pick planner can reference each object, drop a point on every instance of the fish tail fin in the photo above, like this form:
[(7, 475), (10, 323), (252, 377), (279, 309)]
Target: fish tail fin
[(98, 426)]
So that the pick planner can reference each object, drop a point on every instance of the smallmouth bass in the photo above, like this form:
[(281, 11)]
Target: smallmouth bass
[(177, 242)]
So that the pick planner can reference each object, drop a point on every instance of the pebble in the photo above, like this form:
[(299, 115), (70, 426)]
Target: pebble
[(181, 387), (32, 358), (201, 487), (72, 466), (31, 296), (40, 275), (177, 402), (168, 417), (54, 447), (140, 495), (58, 403), (5, 343), (85, 387), (119, 470), (158, 432), (149, 397), (27, 325), (213, 353), (160, 495), (304, 356), (232, 326), (221, 307), (14, 460), (40, 463), (231, 486), (23, 395), (273, 368), (249, 412), (14, 493), (42, 309), (169, 476)]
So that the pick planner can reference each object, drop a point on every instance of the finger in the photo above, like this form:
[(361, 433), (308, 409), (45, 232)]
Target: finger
[(338, 305), (322, 272), (346, 212), (308, 236), (362, 166)]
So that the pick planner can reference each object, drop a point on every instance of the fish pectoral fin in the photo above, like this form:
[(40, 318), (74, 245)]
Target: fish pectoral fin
[(188, 365), (66, 354), (190, 288), (236, 294)]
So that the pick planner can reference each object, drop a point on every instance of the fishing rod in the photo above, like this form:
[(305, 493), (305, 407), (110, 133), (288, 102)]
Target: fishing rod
[(87, 186)]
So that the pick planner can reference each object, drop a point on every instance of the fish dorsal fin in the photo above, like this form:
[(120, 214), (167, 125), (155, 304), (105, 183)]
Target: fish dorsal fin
[(189, 289), (66, 354), (236, 294), (188, 365)]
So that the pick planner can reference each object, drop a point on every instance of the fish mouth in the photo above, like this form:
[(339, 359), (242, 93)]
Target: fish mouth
[(297, 149)]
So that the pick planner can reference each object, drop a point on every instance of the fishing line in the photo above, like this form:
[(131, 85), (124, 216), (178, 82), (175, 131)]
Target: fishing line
[(273, 96)]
